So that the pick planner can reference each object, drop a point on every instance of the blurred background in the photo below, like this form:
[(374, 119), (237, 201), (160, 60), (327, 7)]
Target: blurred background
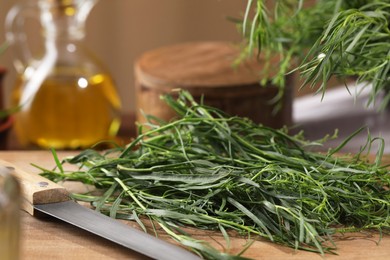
[(119, 31)]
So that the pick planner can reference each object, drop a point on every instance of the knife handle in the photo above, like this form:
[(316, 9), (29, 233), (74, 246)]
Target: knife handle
[(36, 189)]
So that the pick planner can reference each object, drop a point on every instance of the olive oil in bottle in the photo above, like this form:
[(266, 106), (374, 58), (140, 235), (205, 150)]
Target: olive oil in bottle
[(69, 112), (66, 97)]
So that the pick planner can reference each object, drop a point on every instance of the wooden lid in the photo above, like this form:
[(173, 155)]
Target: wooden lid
[(196, 65)]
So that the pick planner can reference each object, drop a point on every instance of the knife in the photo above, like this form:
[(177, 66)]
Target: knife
[(41, 195)]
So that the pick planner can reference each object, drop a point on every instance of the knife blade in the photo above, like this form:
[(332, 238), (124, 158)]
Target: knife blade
[(44, 196)]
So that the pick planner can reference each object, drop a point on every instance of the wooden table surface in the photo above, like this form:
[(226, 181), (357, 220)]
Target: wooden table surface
[(48, 238)]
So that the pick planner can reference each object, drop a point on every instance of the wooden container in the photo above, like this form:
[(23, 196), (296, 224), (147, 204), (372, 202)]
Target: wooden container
[(206, 68)]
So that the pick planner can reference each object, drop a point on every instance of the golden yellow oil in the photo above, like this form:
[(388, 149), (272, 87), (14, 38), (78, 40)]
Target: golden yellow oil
[(68, 112)]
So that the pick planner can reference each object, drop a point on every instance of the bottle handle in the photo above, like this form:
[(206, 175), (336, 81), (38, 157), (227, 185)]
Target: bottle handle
[(16, 36)]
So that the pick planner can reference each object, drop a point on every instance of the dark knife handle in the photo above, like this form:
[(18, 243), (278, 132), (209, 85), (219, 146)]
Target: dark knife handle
[(36, 189)]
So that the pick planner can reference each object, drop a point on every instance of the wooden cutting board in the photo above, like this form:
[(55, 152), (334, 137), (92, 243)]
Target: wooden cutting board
[(52, 239)]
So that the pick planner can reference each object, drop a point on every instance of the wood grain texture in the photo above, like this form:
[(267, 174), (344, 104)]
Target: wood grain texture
[(49, 238), (36, 189), (209, 71), (196, 66)]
